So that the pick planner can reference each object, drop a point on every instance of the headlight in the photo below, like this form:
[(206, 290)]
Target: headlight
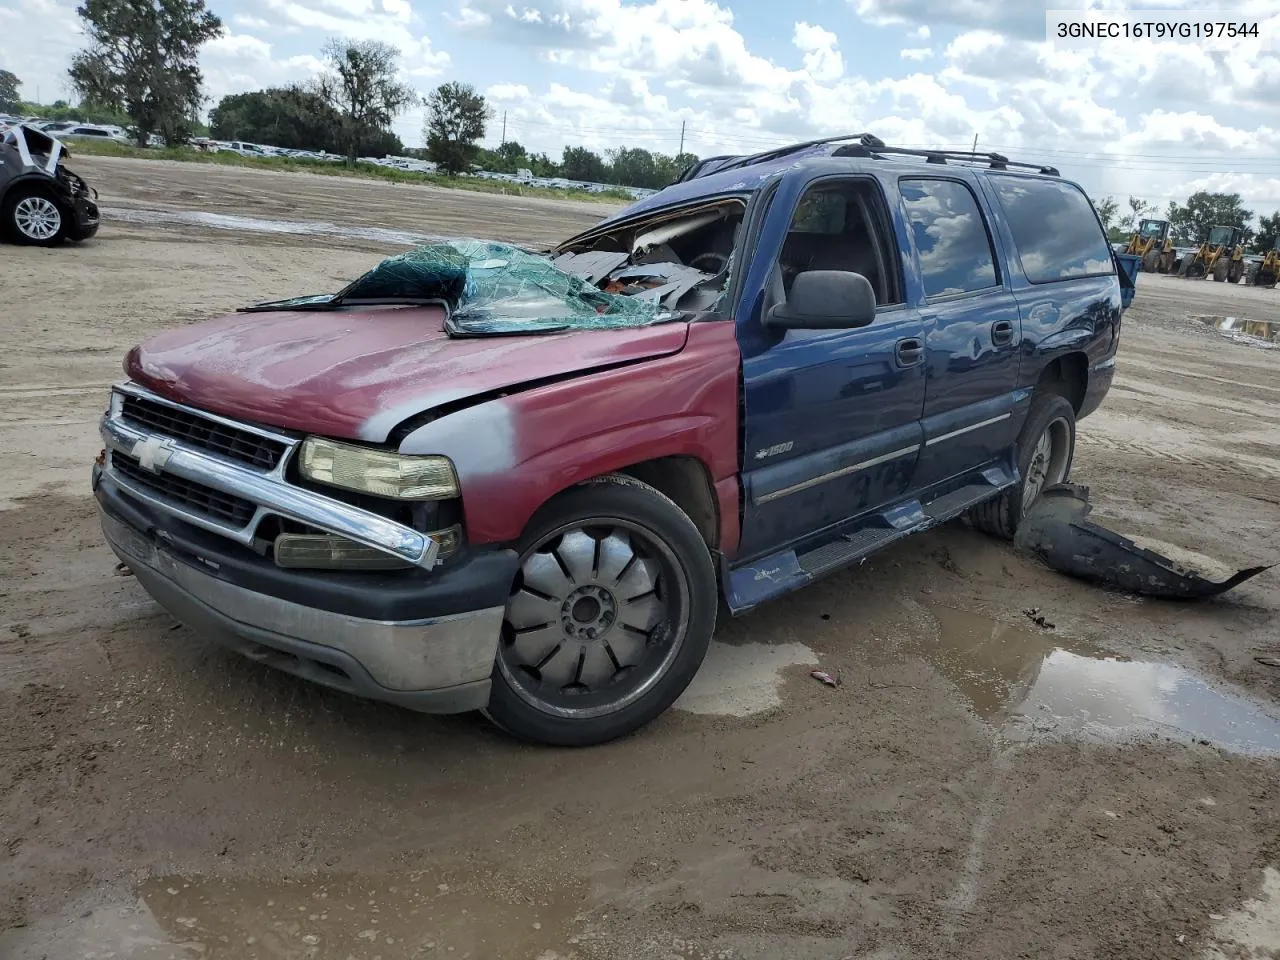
[(378, 472)]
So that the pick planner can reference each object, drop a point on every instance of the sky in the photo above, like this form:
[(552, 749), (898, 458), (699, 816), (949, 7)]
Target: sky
[(1154, 118)]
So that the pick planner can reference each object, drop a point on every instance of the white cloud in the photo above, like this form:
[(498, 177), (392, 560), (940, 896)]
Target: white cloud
[(916, 53), (822, 60)]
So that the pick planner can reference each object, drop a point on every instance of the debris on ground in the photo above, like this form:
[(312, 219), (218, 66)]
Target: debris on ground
[(825, 678), (1056, 530), (1036, 617), (123, 570), (1268, 661)]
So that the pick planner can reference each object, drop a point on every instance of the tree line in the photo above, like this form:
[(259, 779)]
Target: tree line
[(1190, 222)]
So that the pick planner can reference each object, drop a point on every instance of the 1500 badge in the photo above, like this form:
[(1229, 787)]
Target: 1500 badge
[(776, 449)]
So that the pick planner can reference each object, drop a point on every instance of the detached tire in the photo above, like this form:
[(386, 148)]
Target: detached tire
[(609, 617), (1046, 447), (29, 216)]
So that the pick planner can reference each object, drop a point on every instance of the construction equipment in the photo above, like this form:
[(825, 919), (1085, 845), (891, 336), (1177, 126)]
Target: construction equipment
[(1152, 243), (1266, 273), (1221, 256)]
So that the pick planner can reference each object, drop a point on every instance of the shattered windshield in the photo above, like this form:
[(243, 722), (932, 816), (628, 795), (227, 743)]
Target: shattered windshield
[(654, 273)]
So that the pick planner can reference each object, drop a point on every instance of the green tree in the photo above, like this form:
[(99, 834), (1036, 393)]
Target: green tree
[(360, 85), (633, 167), (1107, 209), (1268, 235), (456, 120), (543, 166), (9, 84), (291, 117), (579, 163), (1203, 211), (143, 58)]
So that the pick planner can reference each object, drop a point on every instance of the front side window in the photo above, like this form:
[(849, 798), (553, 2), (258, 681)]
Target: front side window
[(956, 255), (1054, 227), (838, 226)]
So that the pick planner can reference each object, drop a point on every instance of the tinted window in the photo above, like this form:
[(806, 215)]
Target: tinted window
[(955, 249), (1054, 228)]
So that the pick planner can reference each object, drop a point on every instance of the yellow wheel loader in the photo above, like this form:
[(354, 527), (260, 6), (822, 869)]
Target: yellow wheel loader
[(1267, 272), (1151, 242), (1221, 256)]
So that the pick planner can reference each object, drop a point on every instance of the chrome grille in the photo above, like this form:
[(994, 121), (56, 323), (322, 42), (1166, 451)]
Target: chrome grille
[(197, 431), (195, 497)]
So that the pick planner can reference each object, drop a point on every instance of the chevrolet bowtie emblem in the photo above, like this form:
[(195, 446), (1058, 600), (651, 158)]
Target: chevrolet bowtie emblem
[(152, 453)]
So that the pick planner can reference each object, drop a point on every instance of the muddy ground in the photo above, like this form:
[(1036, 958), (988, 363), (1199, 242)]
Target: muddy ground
[(978, 786)]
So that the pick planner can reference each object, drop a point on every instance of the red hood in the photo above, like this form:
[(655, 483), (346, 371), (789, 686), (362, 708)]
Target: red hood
[(356, 374)]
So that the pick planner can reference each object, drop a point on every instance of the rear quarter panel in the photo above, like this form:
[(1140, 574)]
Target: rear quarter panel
[(515, 453)]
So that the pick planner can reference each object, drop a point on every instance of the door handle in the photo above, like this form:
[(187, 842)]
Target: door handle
[(909, 352), (1002, 332)]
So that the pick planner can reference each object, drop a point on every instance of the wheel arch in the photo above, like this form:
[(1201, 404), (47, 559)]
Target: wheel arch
[(1067, 376)]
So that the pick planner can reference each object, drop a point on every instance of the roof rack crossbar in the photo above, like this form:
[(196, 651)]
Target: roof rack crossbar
[(996, 161)]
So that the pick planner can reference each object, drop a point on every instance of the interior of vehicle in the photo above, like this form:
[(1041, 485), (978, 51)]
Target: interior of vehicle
[(834, 228)]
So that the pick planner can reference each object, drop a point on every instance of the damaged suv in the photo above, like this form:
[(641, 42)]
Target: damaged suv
[(42, 203), (485, 478)]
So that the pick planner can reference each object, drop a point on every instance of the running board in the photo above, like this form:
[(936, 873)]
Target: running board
[(747, 586)]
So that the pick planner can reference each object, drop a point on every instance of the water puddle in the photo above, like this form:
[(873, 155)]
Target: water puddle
[(740, 680), (224, 221), (1038, 680), (1253, 333), (338, 917)]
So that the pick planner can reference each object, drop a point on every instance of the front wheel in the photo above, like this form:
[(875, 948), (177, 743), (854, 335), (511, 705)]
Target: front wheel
[(1046, 447), (609, 617), (31, 217)]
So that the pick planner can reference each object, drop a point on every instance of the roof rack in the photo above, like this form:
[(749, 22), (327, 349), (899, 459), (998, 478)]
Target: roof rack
[(701, 169), (863, 145)]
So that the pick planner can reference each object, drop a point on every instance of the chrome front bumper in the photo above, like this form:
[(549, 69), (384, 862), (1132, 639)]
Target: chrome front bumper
[(266, 489), (439, 665)]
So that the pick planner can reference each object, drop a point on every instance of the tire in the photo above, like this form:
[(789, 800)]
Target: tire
[(609, 617), (1220, 271), (1150, 262), (1052, 416), (29, 216)]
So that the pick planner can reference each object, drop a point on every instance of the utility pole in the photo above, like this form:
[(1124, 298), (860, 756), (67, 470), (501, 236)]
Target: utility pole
[(680, 152), (504, 129)]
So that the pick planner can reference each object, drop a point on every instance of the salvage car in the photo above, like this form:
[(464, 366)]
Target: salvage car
[(41, 201), (482, 477)]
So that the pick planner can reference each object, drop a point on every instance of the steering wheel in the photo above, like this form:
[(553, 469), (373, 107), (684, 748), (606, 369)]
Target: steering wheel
[(723, 261)]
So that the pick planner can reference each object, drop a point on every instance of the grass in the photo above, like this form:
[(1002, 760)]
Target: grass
[(364, 171)]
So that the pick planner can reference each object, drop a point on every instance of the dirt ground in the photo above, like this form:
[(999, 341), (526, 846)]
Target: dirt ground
[(978, 786)]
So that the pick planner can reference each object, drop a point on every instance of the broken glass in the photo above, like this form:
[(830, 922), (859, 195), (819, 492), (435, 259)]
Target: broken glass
[(498, 288)]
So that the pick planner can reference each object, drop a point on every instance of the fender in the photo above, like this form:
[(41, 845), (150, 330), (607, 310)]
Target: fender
[(514, 453)]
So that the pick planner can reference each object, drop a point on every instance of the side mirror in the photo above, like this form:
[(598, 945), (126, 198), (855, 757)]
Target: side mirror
[(825, 300)]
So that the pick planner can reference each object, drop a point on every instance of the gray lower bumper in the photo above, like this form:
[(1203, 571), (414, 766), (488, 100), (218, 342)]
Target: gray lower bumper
[(435, 666)]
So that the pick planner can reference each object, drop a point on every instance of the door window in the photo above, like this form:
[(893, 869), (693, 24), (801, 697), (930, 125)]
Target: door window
[(840, 225), (956, 254)]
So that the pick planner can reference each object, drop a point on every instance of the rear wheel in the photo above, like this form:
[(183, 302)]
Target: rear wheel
[(609, 617), (30, 216), (1046, 447)]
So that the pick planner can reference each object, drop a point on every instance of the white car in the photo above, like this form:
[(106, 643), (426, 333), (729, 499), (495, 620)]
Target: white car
[(88, 132)]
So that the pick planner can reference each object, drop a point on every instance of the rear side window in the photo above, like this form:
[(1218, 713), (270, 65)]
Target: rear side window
[(951, 237), (1054, 228)]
